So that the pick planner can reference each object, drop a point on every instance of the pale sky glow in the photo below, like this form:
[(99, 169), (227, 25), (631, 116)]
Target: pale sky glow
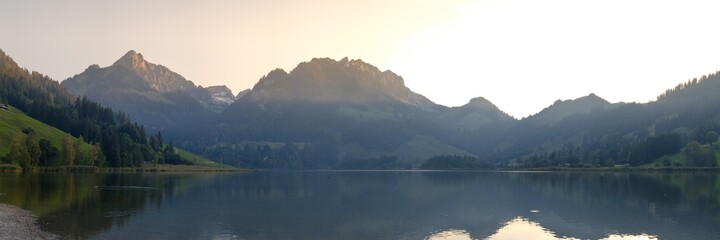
[(520, 54)]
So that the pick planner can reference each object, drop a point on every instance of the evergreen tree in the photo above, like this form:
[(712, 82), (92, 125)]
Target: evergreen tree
[(711, 137), (50, 153)]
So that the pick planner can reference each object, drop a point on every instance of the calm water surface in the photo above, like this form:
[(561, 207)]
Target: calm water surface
[(372, 205)]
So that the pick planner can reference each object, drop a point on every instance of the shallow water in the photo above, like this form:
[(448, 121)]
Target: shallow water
[(372, 205)]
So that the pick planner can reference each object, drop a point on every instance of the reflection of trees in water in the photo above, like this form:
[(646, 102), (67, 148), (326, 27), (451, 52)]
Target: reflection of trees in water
[(454, 177), (699, 190), (685, 202), (370, 205), (81, 205)]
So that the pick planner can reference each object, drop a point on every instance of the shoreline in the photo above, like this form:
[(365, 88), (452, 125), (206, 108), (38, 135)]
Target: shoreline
[(17, 223), (145, 169)]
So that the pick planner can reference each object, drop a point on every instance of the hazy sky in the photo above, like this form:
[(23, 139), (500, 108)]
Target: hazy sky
[(520, 54)]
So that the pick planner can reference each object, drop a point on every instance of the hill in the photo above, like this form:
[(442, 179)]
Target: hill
[(563, 109), (14, 121), (632, 133), (475, 114)]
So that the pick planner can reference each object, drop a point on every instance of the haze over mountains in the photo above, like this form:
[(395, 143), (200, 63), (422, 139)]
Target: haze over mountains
[(333, 114)]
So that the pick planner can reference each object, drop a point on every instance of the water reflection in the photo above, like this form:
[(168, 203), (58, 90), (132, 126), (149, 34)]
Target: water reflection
[(523, 228), (371, 205), (78, 206), (452, 234)]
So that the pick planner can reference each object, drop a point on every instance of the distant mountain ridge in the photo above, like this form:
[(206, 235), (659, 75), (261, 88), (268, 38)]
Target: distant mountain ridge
[(326, 113), (150, 93), (562, 109), (158, 77), (327, 80), (348, 104), (474, 114)]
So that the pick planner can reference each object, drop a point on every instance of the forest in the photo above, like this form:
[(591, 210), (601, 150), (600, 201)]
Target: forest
[(114, 140)]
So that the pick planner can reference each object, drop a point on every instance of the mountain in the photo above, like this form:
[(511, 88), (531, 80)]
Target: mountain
[(348, 108), (338, 114), (242, 93), (153, 94), (324, 80), (563, 109), (116, 140), (221, 95), (627, 133), (475, 114)]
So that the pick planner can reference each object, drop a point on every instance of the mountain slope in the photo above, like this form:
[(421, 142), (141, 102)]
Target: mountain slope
[(632, 133), (13, 121), (562, 109), (153, 94), (348, 107), (475, 114), (347, 81), (116, 140)]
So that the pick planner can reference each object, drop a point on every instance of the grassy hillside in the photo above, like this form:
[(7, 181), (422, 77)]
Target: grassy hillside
[(200, 160), (680, 159), (13, 121)]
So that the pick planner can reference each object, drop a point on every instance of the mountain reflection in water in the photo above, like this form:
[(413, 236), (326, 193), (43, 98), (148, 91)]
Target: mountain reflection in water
[(371, 205), (522, 228)]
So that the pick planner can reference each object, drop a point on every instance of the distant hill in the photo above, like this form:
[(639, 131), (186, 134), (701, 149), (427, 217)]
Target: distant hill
[(473, 115), (562, 109), (152, 94), (604, 134)]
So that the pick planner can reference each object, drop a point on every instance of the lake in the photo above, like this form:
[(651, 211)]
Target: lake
[(371, 205)]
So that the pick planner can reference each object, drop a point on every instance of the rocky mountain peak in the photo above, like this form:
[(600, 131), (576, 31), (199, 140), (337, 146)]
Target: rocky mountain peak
[(132, 59), (221, 95), (157, 77), (327, 80)]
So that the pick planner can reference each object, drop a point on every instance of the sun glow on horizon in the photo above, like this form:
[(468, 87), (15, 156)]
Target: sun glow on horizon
[(520, 54), (524, 55)]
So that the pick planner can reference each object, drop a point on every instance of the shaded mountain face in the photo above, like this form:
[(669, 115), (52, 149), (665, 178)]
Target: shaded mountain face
[(621, 133), (221, 95), (475, 114), (563, 109), (150, 93), (348, 105)]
